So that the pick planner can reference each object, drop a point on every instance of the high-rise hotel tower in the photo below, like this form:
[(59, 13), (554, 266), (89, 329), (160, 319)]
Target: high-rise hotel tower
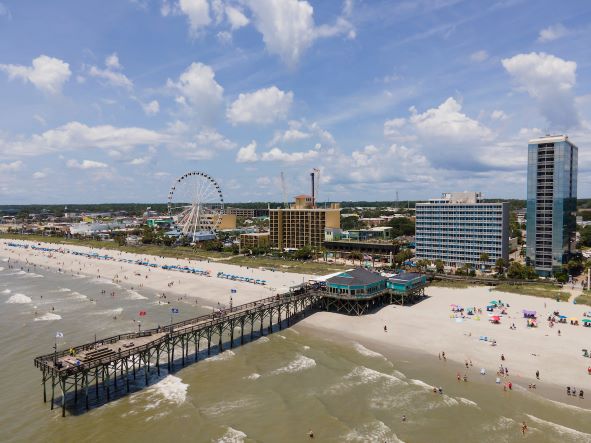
[(551, 202)]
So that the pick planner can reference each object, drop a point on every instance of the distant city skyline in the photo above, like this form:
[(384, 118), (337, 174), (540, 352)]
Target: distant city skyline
[(110, 101)]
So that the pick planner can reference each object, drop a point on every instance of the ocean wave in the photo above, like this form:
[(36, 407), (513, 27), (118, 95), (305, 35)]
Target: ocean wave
[(222, 356), (78, 296), (366, 352), (170, 389), (63, 290), (562, 431), (422, 384), (5, 260), (361, 375), (253, 376), (283, 337), (19, 299), (467, 402), (305, 348), (109, 312), (301, 363), (223, 407), (373, 431), (232, 436), (501, 424), (50, 316), (262, 339), (6, 291), (1, 268), (133, 295)]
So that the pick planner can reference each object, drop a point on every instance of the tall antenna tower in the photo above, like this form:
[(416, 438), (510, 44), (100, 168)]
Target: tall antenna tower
[(316, 173), (284, 190), (397, 204)]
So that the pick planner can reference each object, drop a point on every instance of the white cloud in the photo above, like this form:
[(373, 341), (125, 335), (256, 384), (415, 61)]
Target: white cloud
[(111, 74), (479, 56), (85, 164), (5, 12), (197, 11), (302, 130), (47, 74), (263, 106), (445, 135), (276, 154), (11, 167), (151, 108), (549, 80), (199, 90), (447, 122), (497, 114), (236, 17), (203, 146), (75, 136), (40, 120), (139, 161), (288, 27), (38, 175), (551, 33), (224, 37), (247, 154), (112, 61)]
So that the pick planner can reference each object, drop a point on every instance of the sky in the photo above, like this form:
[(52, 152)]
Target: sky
[(113, 100)]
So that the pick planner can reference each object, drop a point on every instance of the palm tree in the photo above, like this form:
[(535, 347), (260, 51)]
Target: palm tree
[(484, 258)]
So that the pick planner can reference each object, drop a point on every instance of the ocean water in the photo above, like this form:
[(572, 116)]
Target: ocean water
[(275, 389)]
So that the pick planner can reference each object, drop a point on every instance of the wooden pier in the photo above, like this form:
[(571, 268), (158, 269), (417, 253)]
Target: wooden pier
[(100, 370), (104, 367)]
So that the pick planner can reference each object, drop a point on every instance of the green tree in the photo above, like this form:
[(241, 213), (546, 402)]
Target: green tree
[(402, 226), (586, 236), (422, 264), (516, 271), (440, 266), (484, 258), (500, 265), (304, 253), (356, 255)]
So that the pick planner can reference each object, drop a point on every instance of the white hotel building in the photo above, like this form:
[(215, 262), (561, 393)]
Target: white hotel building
[(460, 226)]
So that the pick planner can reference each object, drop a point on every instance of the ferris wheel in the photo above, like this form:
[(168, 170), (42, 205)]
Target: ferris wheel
[(196, 204)]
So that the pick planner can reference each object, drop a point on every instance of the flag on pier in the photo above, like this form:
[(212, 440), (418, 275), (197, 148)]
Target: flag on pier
[(174, 310), (59, 335), (142, 313)]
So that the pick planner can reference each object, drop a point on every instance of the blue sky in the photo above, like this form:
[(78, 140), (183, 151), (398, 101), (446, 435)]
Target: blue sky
[(110, 101)]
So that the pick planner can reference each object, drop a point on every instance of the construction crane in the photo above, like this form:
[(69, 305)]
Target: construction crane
[(284, 190)]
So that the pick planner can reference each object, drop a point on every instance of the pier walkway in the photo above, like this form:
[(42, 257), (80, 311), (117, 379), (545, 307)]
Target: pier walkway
[(106, 362)]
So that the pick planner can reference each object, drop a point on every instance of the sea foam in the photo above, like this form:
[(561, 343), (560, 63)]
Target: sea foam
[(562, 431), (6, 291), (50, 316), (19, 299), (170, 389), (366, 352), (301, 363), (232, 436)]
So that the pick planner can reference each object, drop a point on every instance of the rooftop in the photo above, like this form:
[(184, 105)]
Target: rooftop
[(356, 277)]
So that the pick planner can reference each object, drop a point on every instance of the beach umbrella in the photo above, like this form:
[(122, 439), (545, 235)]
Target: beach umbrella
[(493, 302), (573, 319), (495, 318), (562, 316), (586, 320)]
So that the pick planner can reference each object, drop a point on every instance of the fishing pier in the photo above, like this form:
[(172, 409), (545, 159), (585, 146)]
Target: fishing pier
[(103, 369), (105, 366)]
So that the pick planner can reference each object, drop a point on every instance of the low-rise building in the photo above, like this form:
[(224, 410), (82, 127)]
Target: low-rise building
[(254, 240)]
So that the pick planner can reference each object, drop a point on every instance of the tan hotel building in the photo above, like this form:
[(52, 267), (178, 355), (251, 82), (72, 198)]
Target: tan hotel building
[(302, 224)]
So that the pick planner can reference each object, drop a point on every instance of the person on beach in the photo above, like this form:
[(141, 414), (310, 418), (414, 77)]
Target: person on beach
[(385, 328), (524, 428), (443, 356), (403, 418), (538, 374)]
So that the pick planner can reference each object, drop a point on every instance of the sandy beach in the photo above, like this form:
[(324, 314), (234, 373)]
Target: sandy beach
[(425, 327), (210, 289)]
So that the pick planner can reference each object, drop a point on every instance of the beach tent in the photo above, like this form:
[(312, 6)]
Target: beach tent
[(529, 314), (495, 319)]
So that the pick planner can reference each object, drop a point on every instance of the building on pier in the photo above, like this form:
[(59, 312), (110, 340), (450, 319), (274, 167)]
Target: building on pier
[(359, 290)]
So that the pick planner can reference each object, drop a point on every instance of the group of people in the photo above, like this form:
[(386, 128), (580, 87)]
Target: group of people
[(573, 391)]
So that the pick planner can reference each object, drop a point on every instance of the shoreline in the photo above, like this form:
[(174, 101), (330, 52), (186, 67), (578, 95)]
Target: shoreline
[(559, 359)]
